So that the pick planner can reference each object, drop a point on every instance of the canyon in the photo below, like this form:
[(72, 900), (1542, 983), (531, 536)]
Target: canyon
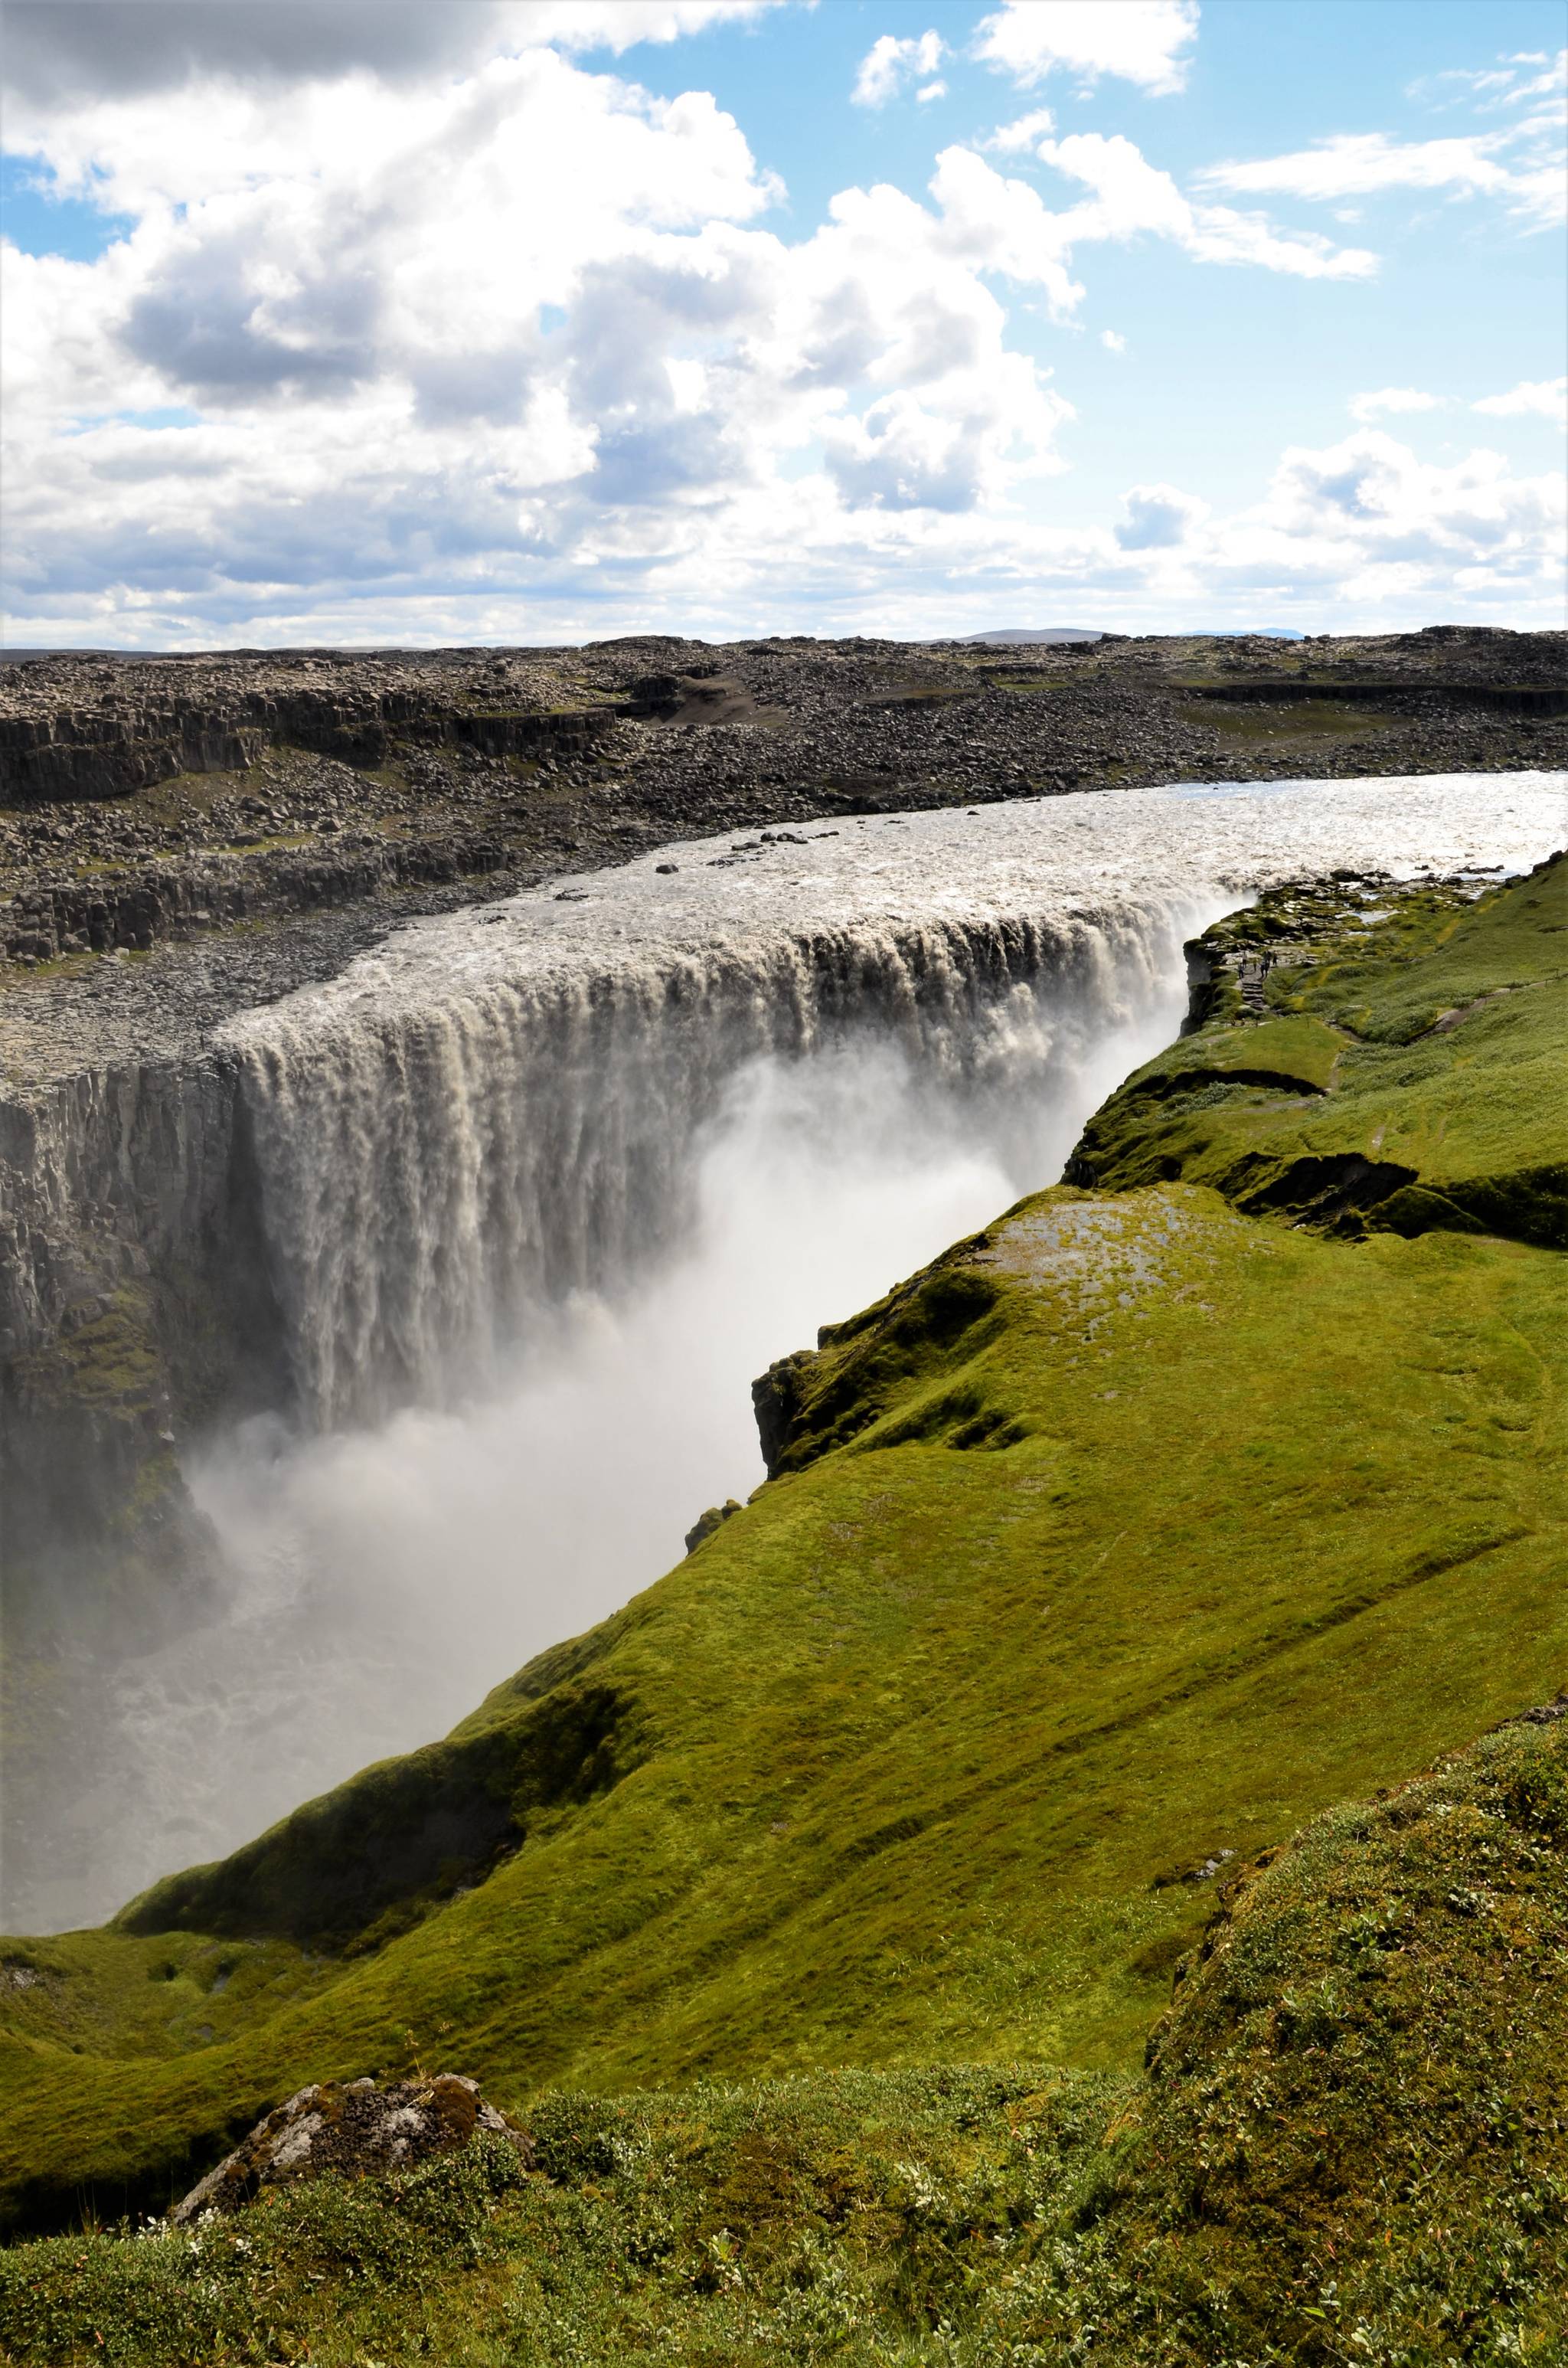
[(387, 1189), (413, 1198)]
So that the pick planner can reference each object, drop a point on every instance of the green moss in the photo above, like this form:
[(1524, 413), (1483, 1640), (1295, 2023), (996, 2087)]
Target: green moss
[(1443, 1107), (1351, 2145), (1289, 719), (109, 1363), (1297, 1056)]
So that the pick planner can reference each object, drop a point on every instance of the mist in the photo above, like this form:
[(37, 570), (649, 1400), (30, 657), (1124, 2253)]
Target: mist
[(379, 1580)]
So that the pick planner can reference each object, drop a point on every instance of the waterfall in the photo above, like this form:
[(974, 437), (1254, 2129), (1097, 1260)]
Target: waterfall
[(438, 1171), (496, 1109), (472, 1249)]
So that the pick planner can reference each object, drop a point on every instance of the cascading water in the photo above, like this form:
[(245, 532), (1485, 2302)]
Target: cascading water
[(542, 1186), (435, 1177)]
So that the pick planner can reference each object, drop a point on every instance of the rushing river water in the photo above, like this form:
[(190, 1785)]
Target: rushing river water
[(545, 1184)]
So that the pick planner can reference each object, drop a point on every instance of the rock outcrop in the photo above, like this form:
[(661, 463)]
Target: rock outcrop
[(350, 2129)]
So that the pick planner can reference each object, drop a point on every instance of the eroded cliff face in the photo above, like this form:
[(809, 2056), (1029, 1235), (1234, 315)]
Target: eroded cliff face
[(130, 1294), (151, 722), (134, 1309)]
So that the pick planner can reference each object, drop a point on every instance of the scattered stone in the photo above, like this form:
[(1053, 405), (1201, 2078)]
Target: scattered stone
[(1204, 1871), (154, 799), (1543, 1715)]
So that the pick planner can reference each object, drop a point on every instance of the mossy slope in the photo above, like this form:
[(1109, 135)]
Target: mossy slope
[(1136, 1531), (1352, 2145), (1385, 1097)]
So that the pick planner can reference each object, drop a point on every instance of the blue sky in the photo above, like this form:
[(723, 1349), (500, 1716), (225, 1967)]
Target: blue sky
[(540, 319)]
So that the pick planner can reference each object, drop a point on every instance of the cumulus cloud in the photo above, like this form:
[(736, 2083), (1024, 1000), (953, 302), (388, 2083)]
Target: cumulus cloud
[(1384, 399), (420, 366), (511, 348), (889, 63), (1369, 502), (1113, 341), (1142, 42), (1544, 398)]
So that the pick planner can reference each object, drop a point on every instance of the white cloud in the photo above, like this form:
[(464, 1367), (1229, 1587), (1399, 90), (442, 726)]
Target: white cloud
[(1495, 88), (1373, 493), (1113, 341), (1012, 139), (1368, 164), (1546, 398), (1159, 517), (522, 352), (1141, 40), (356, 297), (1131, 196), (889, 63), (930, 91), (999, 224), (1355, 163), (1552, 83), (1367, 407)]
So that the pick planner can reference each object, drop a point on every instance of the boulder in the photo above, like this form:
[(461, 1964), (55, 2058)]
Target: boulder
[(353, 2128)]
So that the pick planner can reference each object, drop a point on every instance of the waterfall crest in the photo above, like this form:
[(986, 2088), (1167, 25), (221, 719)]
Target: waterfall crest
[(496, 1111)]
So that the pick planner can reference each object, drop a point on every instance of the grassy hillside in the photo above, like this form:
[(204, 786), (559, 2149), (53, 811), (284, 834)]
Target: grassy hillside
[(1351, 2146), (1140, 1528), (1428, 1090)]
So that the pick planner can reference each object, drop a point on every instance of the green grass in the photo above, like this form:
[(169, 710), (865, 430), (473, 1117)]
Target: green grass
[(1447, 1069), (1136, 1529), (1351, 2145)]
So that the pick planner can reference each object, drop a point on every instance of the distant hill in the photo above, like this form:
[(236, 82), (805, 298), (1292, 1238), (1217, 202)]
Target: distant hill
[(1020, 636), (1019, 633)]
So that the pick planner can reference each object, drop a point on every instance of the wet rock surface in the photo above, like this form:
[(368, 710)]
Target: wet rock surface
[(351, 2129)]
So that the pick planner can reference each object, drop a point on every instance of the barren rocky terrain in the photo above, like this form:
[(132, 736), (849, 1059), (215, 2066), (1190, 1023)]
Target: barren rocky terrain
[(172, 799)]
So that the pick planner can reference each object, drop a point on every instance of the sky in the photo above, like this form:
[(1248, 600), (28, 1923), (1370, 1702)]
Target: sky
[(374, 322)]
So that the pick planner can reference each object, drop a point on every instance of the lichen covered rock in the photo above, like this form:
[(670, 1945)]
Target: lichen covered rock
[(352, 2128)]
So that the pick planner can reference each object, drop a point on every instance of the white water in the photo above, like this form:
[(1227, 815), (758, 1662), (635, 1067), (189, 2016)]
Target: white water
[(547, 1185)]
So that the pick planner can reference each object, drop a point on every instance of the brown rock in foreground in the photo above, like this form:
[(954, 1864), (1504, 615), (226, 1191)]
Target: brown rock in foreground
[(353, 2129)]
